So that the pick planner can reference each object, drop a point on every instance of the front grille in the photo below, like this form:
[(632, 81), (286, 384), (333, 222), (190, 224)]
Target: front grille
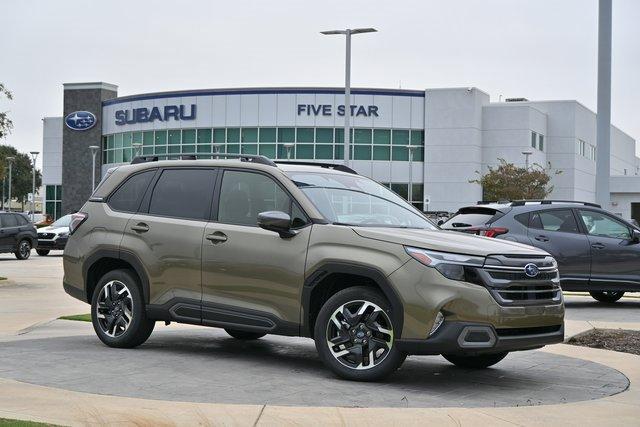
[(46, 236), (507, 281), (508, 275), (538, 330)]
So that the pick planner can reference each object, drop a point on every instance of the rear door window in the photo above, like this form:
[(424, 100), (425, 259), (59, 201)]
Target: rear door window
[(183, 193), (561, 220), (128, 196), (9, 220)]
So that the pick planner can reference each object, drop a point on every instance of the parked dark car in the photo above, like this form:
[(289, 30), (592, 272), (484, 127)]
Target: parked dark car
[(17, 234), (596, 250)]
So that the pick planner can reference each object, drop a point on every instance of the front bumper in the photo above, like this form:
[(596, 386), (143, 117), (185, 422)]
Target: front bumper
[(58, 243), (467, 338)]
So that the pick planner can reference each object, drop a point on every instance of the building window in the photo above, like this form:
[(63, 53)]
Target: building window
[(541, 142), (533, 139), (307, 143), (53, 200)]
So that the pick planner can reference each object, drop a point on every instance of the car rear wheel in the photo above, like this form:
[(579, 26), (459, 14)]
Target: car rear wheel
[(606, 296), (244, 335), (117, 311), (354, 335), (23, 251), (475, 362), (42, 252)]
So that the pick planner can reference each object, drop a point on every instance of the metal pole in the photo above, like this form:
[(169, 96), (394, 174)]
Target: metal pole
[(4, 182), (603, 132), (347, 98), (10, 165), (93, 171), (410, 193)]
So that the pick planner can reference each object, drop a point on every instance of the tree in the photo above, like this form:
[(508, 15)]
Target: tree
[(21, 173), (509, 182), (5, 122)]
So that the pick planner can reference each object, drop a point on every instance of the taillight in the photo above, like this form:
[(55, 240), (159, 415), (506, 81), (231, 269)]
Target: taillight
[(493, 231), (76, 221)]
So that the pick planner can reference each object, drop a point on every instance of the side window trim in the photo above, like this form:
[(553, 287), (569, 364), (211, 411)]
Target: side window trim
[(218, 190), (124, 181), (146, 200)]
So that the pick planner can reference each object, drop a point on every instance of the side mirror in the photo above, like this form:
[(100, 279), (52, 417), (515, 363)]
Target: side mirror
[(635, 236), (276, 221)]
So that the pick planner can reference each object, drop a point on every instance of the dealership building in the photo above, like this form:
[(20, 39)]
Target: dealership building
[(436, 140)]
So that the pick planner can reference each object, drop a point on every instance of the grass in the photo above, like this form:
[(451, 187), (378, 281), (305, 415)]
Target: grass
[(6, 422), (78, 317), (3, 278)]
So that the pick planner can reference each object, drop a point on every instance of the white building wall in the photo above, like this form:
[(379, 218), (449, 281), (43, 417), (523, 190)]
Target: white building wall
[(453, 146), (52, 151)]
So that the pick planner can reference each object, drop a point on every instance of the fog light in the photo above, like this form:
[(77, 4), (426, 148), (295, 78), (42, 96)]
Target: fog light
[(436, 323)]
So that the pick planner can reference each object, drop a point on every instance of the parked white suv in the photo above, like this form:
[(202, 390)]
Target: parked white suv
[(54, 236)]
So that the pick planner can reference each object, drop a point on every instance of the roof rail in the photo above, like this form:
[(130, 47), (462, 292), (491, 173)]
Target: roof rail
[(550, 202), (251, 158), (493, 202), (338, 167)]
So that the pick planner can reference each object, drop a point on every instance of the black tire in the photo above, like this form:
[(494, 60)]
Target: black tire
[(23, 250), (606, 296), (244, 335), (139, 327), (43, 252), (480, 361), (365, 327)]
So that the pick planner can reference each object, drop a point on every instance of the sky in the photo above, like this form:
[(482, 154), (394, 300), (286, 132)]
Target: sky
[(537, 49)]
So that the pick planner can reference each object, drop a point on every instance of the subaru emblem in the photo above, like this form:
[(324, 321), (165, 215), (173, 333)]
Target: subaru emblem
[(531, 270), (80, 120)]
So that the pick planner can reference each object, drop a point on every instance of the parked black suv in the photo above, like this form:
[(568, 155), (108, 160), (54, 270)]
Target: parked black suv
[(596, 250), (17, 234)]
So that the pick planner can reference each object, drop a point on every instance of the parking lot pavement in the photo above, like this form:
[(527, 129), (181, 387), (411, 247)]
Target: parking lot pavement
[(585, 308), (33, 292)]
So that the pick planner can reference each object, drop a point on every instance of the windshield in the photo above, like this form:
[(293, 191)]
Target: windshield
[(62, 222), (358, 201)]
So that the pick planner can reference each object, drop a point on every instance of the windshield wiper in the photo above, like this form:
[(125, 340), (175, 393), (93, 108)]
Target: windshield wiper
[(347, 224)]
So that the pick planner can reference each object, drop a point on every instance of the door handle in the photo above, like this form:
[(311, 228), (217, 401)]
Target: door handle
[(140, 227), (217, 237), (542, 238), (597, 246)]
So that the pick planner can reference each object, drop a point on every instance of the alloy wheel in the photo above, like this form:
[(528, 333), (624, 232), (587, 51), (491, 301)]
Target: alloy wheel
[(24, 248), (114, 310), (359, 334)]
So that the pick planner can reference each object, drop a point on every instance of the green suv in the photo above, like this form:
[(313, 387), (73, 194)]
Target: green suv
[(310, 250)]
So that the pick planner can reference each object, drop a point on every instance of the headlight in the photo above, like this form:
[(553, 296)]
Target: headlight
[(63, 234), (451, 266)]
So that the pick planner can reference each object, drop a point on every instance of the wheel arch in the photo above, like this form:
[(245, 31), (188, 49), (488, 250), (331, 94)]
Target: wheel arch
[(105, 260), (320, 285)]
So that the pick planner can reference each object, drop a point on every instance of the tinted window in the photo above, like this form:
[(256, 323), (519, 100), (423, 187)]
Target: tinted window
[(523, 219), (598, 224), (21, 220), (555, 220), (183, 193), (9, 220), (128, 196), (470, 218), (244, 195)]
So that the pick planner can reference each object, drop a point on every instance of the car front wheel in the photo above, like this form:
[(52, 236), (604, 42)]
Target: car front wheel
[(475, 362), (606, 296), (354, 335), (117, 311)]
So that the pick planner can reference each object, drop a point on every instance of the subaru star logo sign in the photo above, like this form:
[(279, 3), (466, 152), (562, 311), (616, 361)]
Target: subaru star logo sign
[(531, 270), (80, 120)]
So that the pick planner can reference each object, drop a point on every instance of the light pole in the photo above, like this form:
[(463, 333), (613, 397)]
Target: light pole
[(410, 193), (347, 82), (34, 156), (288, 146), (136, 148), (603, 118), (526, 158), (94, 150), (10, 159)]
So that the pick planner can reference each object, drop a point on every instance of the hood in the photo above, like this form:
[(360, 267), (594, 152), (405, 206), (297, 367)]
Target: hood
[(448, 241), (53, 230)]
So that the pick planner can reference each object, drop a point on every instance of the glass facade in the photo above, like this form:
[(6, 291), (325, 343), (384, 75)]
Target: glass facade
[(53, 200), (402, 190), (274, 142)]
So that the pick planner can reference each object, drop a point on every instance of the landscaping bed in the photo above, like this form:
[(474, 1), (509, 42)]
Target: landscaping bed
[(609, 339)]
